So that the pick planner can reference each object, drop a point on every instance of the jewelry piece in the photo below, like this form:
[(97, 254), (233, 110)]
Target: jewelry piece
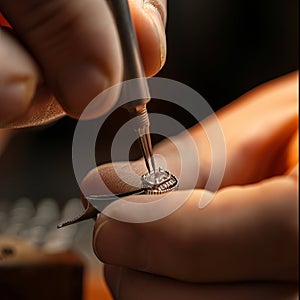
[(159, 182), (153, 183)]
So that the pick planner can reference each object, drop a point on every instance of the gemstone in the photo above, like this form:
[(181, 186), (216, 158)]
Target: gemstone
[(159, 181)]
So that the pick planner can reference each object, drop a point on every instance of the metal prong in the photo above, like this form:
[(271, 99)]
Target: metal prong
[(91, 212)]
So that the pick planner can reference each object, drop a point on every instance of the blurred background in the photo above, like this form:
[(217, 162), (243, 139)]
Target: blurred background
[(220, 48)]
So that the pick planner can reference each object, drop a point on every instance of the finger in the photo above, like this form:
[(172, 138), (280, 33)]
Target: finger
[(76, 45), (149, 17), (24, 100), (120, 177), (258, 129), (18, 78), (245, 233), (267, 118), (129, 284)]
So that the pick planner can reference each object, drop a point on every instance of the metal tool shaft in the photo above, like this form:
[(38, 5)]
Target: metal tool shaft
[(133, 68)]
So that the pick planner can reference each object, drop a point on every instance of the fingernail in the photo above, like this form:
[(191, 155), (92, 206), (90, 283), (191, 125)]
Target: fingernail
[(78, 84), (157, 18), (14, 99), (120, 243)]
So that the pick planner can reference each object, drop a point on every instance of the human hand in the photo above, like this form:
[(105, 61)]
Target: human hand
[(125, 283), (61, 54), (246, 236)]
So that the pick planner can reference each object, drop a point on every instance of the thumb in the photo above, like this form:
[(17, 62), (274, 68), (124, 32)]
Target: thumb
[(73, 42), (245, 233), (76, 45)]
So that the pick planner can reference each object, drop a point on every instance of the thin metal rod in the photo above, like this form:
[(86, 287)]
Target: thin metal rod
[(91, 211), (133, 68), (144, 151), (146, 147), (150, 150)]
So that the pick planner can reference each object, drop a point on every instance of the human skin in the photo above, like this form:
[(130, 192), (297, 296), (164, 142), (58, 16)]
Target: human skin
[(62, 54), (247, 233), (246, 237)]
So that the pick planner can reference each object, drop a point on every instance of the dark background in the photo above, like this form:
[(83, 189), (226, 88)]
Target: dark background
[(221, 48)]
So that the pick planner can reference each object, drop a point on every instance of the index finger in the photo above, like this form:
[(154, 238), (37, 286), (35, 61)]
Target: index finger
[(76, 45)]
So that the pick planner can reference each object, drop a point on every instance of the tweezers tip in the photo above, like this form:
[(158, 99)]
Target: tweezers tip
[(67, 223), (61, 225)]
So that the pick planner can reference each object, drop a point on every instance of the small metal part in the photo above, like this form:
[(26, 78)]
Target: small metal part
[(154, 183), (133, 68), (91, 212), (159, 182), (141, 127)]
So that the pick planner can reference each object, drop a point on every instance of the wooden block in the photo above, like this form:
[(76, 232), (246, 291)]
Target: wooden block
[(28, 273)]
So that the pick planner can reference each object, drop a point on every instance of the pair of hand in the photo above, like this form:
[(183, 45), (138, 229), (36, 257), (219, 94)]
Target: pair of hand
[(62, 54), (243, 244)]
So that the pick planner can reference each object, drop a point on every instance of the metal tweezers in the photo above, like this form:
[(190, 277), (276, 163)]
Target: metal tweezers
[(91, 212)]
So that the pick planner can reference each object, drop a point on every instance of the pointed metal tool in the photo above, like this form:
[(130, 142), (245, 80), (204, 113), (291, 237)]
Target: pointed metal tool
[(152, 184), (91, 212)]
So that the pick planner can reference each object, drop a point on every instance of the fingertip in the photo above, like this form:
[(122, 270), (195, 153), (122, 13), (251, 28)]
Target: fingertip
[(76, 46), (82, 83), (120, 243), (14, 100), (149, 20), (113, 178), (18, 79), (99, 224)]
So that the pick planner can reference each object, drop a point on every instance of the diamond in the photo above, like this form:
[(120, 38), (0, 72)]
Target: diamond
[(158, 182)]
